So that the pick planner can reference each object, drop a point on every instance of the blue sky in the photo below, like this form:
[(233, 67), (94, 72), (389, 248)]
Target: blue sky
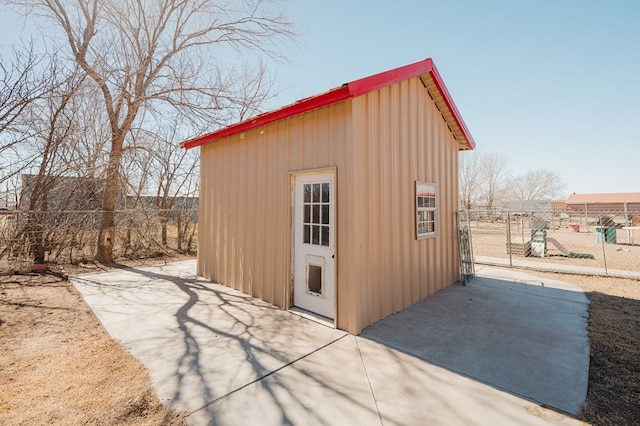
[(547, 83)]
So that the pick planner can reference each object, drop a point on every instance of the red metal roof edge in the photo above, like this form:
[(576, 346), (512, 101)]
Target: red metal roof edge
[(304, 105), (347, 91)]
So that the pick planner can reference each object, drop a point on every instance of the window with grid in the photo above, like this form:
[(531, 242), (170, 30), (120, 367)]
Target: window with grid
[(315, 226), (426, 202)]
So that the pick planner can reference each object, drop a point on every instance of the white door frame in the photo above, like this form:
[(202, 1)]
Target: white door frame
[(309, 255)]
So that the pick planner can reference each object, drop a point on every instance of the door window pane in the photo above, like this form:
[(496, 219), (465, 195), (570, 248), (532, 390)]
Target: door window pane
[(316, 192), (325, 236), (316, 218), (307, 214), (306, 233), (307, 193)]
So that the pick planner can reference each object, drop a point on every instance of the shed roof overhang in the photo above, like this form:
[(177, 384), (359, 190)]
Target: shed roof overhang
[(424, 69)]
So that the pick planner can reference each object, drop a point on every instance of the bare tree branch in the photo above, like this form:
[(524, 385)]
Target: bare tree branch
[(154, 54)]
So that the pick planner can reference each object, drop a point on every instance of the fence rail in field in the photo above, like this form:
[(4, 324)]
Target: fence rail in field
[(595, 242), (71, 236)]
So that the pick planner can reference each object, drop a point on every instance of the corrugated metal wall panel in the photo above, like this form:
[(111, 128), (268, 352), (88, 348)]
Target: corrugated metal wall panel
[(400, 137), (379, 144), (244, 199)]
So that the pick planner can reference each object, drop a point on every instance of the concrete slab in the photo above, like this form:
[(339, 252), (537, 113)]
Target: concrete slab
[(486, 353), (199, 340), (410, 391), (327, 387), (527, 337)]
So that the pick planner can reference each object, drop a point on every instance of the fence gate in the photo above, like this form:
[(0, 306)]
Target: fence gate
[(465, 247)]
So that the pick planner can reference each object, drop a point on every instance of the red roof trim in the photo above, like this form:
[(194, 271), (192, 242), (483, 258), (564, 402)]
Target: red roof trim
[(347, 91), (387, 78), (300, 107)]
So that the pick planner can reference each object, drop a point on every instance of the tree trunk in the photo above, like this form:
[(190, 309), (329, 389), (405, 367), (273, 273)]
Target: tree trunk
[(163, 224), (107, 232), (36, 238), (106, 237), (180, 232)]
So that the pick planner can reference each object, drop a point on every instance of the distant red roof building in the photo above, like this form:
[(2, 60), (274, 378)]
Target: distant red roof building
[(623, 201)]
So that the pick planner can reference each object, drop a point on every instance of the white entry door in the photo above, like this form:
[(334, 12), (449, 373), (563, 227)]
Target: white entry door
[(314, 243)]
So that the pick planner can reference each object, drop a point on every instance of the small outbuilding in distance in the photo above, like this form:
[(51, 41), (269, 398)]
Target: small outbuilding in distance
[(609, 202), (342, 204)]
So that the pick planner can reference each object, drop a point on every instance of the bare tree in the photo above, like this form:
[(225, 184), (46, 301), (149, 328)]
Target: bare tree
[(175, 177), (58, 123), (537, 184), (24, 79), (162, 178), (49, 127), (470, 179), (494, 168), (482, 178), (156, 53)]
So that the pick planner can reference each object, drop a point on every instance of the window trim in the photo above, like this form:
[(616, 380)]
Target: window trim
[(418, 209)]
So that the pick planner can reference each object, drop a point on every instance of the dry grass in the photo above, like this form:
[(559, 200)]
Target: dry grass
[(59, 366)]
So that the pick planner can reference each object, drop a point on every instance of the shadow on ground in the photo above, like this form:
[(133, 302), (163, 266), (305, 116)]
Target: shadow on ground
[(228, 358)]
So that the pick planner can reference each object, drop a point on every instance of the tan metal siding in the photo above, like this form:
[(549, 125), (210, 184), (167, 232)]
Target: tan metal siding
[(400, 137), (379, 144), (245, 219)]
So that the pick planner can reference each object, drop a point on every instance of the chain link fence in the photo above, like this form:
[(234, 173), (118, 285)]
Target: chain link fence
[(465, 247), (69, 237), (589, 242)]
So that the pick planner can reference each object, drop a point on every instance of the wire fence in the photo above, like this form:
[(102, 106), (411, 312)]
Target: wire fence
[(593, 242), (69, 237)]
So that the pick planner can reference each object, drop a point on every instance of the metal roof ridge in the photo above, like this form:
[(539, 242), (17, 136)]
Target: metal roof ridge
[(341, 93)]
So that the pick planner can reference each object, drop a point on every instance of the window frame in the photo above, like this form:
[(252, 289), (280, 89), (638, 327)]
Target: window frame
[(422, 207), (320, 225)]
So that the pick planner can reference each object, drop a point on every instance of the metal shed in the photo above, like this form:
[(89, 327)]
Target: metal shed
[(342, 204)]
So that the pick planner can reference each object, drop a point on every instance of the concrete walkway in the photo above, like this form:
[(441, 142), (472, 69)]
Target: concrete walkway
[(493, 352)]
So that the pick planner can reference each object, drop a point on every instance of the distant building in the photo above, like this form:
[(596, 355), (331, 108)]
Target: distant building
[(71, 193), (60, 193), (528, 207), (152, 202), (613, 202)]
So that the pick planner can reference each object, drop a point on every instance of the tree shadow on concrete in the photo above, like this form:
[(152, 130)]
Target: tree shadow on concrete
[(213, 319)]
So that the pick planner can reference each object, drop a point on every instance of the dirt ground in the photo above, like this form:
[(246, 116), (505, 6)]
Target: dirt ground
[(490, 239), (59, 366)]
